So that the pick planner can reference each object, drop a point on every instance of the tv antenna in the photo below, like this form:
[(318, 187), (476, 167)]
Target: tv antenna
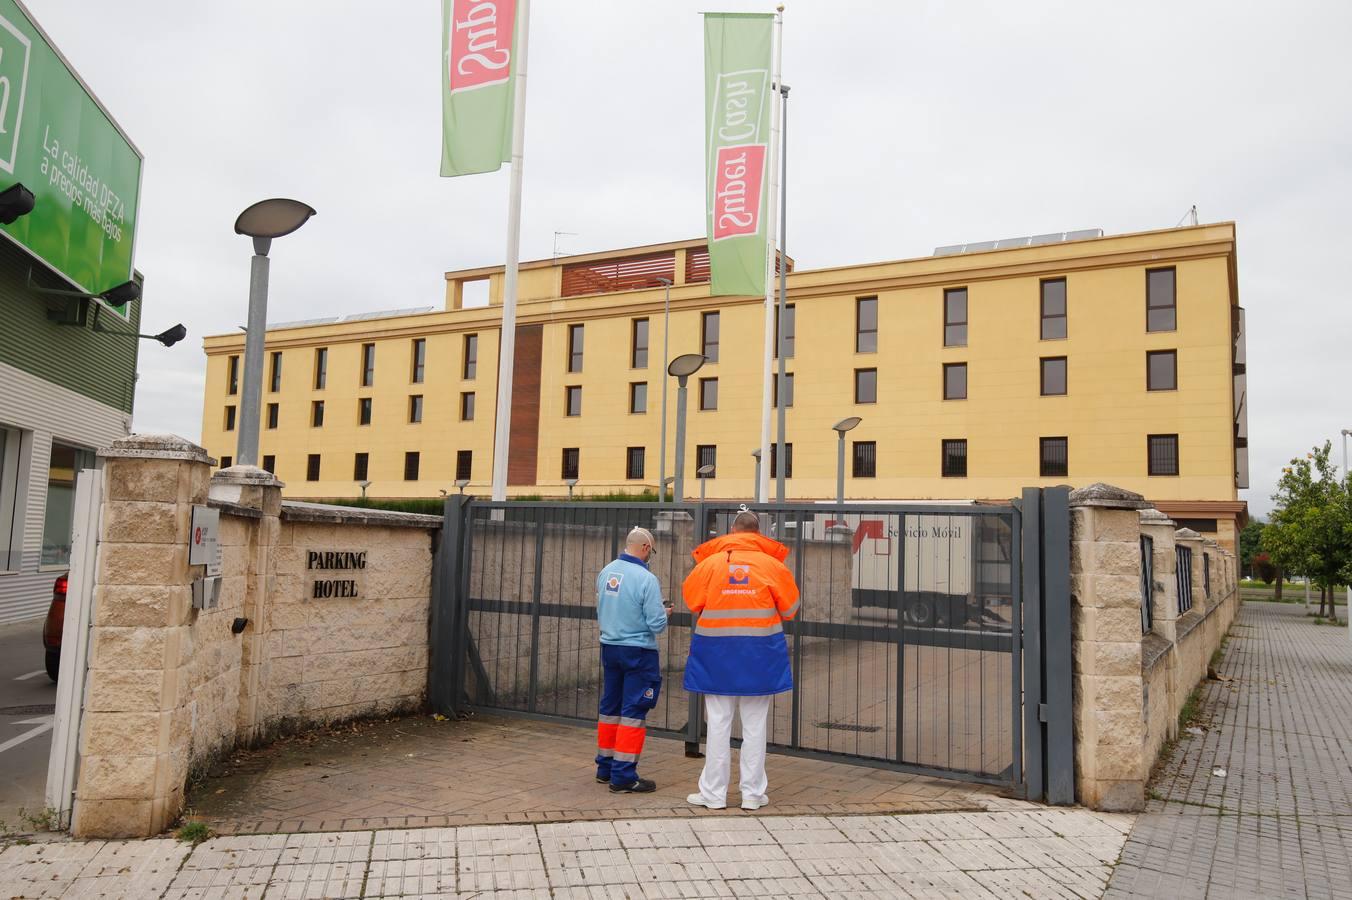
[(559, 234)]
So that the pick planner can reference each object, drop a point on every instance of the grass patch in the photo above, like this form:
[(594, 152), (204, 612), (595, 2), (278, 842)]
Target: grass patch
[(1191, 713), (40, 820), (193, 833)]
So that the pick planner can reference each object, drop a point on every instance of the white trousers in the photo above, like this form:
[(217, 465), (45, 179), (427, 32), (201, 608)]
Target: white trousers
[(718, 711)]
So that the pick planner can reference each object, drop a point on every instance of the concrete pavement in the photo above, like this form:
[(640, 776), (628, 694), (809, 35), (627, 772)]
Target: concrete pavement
[(26, 698)]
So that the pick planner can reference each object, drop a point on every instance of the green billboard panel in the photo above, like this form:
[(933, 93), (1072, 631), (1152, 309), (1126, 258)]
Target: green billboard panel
[(58, 141)]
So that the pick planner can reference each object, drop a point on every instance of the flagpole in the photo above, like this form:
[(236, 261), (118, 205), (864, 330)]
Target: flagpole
[(507, 341), (763, 485)]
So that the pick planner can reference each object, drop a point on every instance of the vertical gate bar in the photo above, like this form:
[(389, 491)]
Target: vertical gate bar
[(901, 636), (1057, 645), (443, 690), (535, 609), (1016, 641), (796, 699), (1034, 736)]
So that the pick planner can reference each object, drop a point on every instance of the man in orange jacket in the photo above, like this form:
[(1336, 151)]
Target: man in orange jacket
[(741, 592)]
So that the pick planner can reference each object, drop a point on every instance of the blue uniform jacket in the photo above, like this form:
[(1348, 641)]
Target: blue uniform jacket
[(629, 604)]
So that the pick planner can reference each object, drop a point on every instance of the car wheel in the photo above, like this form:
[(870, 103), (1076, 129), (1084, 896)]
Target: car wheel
[(918, 612), (53, 663)]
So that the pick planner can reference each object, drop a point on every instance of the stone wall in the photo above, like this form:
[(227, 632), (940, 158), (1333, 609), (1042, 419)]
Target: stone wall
[(1130, 683), (171, 688)]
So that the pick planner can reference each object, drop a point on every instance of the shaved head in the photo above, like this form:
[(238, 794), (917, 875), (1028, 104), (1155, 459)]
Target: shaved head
[(746, 520)]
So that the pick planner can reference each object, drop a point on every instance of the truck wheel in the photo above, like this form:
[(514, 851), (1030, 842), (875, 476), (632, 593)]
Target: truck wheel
[(53, 663)]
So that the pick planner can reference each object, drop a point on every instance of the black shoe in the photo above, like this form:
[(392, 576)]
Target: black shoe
[(600, 780), (640, 786)]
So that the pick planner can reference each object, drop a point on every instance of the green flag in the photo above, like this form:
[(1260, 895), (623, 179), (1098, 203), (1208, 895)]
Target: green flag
[(478, 59), (737, 92)]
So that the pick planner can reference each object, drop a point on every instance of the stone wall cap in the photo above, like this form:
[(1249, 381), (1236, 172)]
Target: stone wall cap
[(1153, 516), (1187, 534), (1107, 496), (156, 446), (300, 511), (251, 476)]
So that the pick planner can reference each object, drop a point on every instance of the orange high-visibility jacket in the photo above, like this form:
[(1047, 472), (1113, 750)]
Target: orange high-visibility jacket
[(741, 592)]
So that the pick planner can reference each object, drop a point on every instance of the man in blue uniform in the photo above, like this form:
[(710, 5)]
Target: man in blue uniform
[(631, 612)]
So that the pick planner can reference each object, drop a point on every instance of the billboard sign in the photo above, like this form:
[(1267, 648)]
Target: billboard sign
[(57, 140)]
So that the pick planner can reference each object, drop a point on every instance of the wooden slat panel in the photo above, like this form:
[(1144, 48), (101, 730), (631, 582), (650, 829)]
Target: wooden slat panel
[(621, 274)]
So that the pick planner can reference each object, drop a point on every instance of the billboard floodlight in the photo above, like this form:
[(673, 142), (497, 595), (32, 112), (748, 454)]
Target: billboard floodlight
[(15, 201)]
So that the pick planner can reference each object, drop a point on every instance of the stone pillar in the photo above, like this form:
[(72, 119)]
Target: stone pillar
[(1110, 765), (1164, 561), (134, 735), (254, 497)]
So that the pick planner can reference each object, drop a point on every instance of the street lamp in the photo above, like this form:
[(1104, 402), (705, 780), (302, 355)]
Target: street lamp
[(703, 472), (756, 454), (666, 338), (572, 483), (263, 221), (461, 483), (363, 485), (682, 367), (840, 428), (666, 484)]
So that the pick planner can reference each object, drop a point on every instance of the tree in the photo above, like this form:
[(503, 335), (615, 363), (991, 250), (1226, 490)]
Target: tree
[(1250, 543), (1311, 527)]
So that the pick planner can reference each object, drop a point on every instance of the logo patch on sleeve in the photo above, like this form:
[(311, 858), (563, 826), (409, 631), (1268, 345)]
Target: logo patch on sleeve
[(739, 573), (613, 583)]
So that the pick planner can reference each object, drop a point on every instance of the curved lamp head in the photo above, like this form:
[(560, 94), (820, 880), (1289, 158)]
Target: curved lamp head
[(171, 336), (273, 218), (686, 364), (756, 453), (846, 424), (704, 471)]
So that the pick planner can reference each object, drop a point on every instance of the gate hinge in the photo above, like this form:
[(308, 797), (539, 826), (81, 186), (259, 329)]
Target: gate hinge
[(1042, 712)]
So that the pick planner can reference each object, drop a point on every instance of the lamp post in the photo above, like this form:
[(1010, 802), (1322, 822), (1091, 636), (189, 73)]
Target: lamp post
[(682, 367), (666, 337), (265, 220), (572, 483), (840, 428), (756, 455), (703, 472), (1345, 433), (666, 484)]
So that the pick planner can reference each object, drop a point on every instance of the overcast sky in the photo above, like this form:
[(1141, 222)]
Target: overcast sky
[(912, 125)]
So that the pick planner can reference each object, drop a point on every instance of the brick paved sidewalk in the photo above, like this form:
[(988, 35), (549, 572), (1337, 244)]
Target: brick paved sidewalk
[(1018, 853), (1279, 823), (416, 772)]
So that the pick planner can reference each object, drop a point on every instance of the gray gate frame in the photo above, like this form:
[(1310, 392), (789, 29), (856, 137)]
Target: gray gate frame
[(1043, 735)]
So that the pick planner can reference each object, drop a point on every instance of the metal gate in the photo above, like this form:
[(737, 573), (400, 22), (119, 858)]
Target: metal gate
[(920, 645)]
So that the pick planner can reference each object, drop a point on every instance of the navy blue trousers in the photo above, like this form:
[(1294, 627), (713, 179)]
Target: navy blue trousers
[(631, 683)]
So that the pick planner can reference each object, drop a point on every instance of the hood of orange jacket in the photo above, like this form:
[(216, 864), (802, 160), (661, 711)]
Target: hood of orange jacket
[(741, 540)]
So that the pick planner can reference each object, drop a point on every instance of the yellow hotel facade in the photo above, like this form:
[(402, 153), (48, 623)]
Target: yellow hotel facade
[(976, 372)]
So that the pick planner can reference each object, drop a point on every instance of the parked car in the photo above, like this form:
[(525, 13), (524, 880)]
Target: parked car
[(51, 629)]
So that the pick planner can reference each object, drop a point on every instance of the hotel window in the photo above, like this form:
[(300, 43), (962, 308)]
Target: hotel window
[(312, 467), (572, 396), (955, 317), (1161, 301), (229, 418), (638, 397), (774, 460), (638, 357), (467, 406), (317, 414), (64, 464), (955, 381), (368, 365), (708, 393), (226, 462), (471, 367), (270, 464), (419, 359), (788, 390), (706, 455), (1054, 309), (272, 415), (275, 381), (1161, 367), (865, 462), (415, 406), (570, 462), (574, 348), (954, 461), (1054, 457), (321, 368), (1162, 450), (633, 463), (360, 464), (232, 378), (364, 411), (1053, 376), (866, 325), (790, 325), (708, 329), (464, 464), (865, 385), (411, 465)]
